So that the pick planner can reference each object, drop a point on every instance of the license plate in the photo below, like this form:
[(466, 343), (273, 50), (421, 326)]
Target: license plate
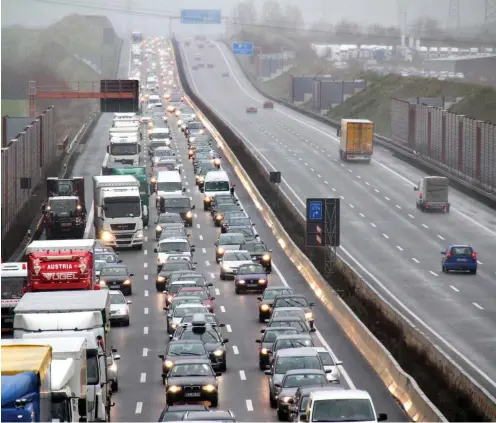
[(66, 225), (192, 394), (461, 259), (114, 285), (8, 320)]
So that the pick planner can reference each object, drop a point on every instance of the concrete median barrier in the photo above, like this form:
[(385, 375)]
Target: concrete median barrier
[(282, 216)]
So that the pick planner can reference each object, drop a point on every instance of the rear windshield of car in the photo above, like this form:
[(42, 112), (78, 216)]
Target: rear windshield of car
[(285, 364), (461, 251), (271, 335)]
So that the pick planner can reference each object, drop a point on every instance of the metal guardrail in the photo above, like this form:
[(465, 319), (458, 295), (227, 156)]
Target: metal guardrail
[(380, 140)]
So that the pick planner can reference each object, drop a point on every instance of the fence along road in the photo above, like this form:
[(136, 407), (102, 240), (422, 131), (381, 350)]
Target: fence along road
[(395, 247)]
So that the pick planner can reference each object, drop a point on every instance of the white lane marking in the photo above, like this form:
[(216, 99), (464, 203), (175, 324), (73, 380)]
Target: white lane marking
[(479, 262), (143, 378), (361, 214), (352, 206), (146, 292), (415, 260), (354, 259), (145, 252), (146, 310), (478, 306), (145, 352), (235, 350), (223, 309), (433, 273), (411, 216), (425, 226), (387, 198), (454, 288), (145, 277), (198, 226), (201, 237), (212, 275), (366, 183), (229, 328), (145, 264), (325, 182), (217, 291), (373, 225), (398, 206), (319, 175), (145, 330), (440, 237), (207, 263), (146, 238), (385, 236), (399, 248), (242, 375), (139, 407), (333, 189), (249, 405), (204, 250), (195, 215), (188, 190)]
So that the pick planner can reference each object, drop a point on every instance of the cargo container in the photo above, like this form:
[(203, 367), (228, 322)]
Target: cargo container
[(356, 139)]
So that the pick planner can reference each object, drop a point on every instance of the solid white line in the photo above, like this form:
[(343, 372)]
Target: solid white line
[(228, 328), (145, 352), (143, 378), (223, 309), (146, 310), (242, 375), (145, 330), (139, 408), (249, 405), (454, 288), (235, 350)]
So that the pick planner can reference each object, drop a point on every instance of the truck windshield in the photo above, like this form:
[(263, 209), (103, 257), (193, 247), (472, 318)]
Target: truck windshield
[(169, 186), (63, 206), (92, 369), (180, 203), (124, 149), (12, 287), (159, 136), (122, 207), (217, 186)]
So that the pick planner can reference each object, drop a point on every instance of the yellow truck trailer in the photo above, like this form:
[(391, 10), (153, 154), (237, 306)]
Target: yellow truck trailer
[(356, 140)]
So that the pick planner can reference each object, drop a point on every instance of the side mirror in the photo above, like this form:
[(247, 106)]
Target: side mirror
[(166, 308), (155, 250), (382, 417), (311, 304), (117, 357), (184, 189), (252, 224), (119, 261), (108, 149), (222, 325), (114, 350), (218, 374), (193, 250), (225, 340), (194, 207), (210, 284), (415, 188), (129, 302), (131, 274), (258, 341), (262, 330), (442, 252), (259, 298), (268, 372), (313, 330), (193, 246), (162, 356), (257, 236)]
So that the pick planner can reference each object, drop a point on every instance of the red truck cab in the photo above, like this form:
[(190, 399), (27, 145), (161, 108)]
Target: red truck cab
[(61, 265)]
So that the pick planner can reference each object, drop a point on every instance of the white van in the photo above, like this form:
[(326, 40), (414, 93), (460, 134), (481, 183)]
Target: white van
[(216, 183), (154, 101), (168, 182)]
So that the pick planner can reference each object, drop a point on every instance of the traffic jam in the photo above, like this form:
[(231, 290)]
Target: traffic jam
[(63, 305)]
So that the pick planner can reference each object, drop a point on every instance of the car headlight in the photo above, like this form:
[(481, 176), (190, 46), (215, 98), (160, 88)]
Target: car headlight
[(179, 122), (264, 307), (189, 214), (102, 282), (174, 326), (106, 236), (174, 388), (285, 399), (127, 282), (226, 267), (113, 367), (192, 139), (153, 180), (161, 260), (261, 281), (218, 217), (309, 316), (209, 388), (208, 199), (264, 351), (168, 364), (217, 161), (241, 282), (220, 250), (265, 257), (159, 228), (201, 179), (139, 234), (190, 152), (218, 353), (160, 279)]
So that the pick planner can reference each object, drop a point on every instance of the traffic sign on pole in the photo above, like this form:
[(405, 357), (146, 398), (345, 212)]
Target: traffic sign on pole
[(315, 209), (242, 48), (323, 222), (201, 16)]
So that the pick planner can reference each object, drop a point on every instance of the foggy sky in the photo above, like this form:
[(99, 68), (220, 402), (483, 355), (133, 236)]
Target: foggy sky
[(35, 13)]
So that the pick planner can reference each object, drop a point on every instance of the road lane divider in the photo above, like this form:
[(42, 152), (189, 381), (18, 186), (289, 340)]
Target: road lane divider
[(400, 384)]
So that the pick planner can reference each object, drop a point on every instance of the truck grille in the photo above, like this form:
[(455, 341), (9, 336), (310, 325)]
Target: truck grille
[(123, 161), (123, 227), (191, 389)]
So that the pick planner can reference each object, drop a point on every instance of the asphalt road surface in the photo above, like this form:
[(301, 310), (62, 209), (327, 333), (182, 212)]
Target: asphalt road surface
[(243, 388), (395, 247)]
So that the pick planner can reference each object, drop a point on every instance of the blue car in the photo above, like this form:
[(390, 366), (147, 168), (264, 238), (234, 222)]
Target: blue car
[(250, 277), (459, 258)]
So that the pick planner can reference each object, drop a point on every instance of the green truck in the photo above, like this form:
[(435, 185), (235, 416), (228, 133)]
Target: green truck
[(139, 172)]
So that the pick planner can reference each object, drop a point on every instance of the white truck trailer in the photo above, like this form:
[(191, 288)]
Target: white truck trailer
[(118, 215)]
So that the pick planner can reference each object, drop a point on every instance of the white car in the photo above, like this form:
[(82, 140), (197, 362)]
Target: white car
[(231, 260), (113, 370), (119, 307), (330, 365)]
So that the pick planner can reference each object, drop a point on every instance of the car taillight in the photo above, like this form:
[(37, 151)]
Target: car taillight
[(448, 255), (474, 256)]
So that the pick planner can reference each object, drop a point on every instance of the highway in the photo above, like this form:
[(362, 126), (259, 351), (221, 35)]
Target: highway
[(243, 388), (395, 247)]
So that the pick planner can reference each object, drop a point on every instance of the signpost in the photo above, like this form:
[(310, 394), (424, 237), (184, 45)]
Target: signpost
[(201, 16), (242, 48)]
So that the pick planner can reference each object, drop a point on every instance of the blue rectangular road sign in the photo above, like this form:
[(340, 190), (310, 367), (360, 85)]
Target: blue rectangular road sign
[(315, 210), (242, 48), (201, 16)]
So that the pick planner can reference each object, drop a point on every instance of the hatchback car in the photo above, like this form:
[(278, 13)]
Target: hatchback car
[(181, 350), (459, 257), (119, 308), (250, 277), (231, 261), (117, 276)]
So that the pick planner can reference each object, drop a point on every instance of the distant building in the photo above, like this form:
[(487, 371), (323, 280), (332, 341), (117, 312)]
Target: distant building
[(482, 68)]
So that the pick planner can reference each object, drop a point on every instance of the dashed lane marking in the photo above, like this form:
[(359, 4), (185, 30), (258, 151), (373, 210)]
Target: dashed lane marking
[(242, 375), (145, 330), (249, 405), (146, 310), (145, 352), (454, 288), (222, 309), (235, 350), (139, 408), (146, 292), (229, 328)]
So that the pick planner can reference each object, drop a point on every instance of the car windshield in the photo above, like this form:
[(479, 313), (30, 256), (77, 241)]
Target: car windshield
[(170, 218), (122, 207), (236, 256), (184, 311), (200, 294), (234, 215), (284, 364), (294, 312), (173, 416), (174, 288), (251, 269), (108, 257), (238, 222), (169, 186), (291, 302), (196, 278), (295, 381), (176, 265), (343, 410), (206, 336), (186, 349), (195, 125), (193, 369), (117, 298), (231, 239), (271, 335), (221, 208), (165, 165), (113, 271), (254, 247), (63, 206), (172, 247), (217, 186), (173, 233), (461, 251), (177, 203), (326, 359), (282, 344), (295, 324), (246, 232), (270, 294), (98, 266)]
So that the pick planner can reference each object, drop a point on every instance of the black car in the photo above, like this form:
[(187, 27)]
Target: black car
[(218, 215), (171, 266), (250, 277), (174, 413), (291, 322), (236, 222), (181, 350), (117, 276), (210, 336), (265, 306), (108, 256), (296, 300), (221, 199), (267, 340), (259, 251), (164, 219), (248, 232), (210, 416), (180, 204), (202, 172), (192, 381)]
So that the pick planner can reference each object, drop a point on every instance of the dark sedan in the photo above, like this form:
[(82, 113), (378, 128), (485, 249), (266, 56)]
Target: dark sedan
[(295, 300), (181, 350), (221, 209), (265, 306), (259, 251), (248, 232), (164, 219), (192, 381), (178, 203), (267, 341), (174, 413), (117, 276), (171, 266), (250, 277), (236, 222)]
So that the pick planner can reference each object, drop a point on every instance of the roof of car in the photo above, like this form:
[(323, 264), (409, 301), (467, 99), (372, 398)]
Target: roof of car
[(297, 352), (307, 390), (340, 394), (188, 341), (192, 289), (115, 265), (188, 304), (290, 296), (187, 407), (193, 361), (290, 337), (211, 415), (305, 371), (183, 283)]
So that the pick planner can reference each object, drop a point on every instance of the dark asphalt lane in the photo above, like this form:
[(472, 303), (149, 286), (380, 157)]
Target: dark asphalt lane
[(394, 246)]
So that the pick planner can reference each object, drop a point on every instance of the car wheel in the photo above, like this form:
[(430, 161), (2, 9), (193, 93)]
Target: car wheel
[(129, 292), (261, 318), (283, 417), (261, 366), (205, 208), (126, 322), (114, 386), (163, 383), (443, 269), (273, 402), (214, 403), (473, 272), (236, 290), (223, 367), (222, 277)]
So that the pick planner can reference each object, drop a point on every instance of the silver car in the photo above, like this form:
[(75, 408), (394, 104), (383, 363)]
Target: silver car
[(119, 307), (231, 260), (113, 370), (330, 365)]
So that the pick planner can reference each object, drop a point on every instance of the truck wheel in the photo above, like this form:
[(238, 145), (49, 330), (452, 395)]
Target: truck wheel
[(205, 208), (114, 386), (138, 247), (222, 277)]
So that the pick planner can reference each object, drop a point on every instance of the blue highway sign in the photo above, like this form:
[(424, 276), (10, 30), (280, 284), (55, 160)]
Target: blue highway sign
[(315, 210), (201, 16), (242, 48)]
